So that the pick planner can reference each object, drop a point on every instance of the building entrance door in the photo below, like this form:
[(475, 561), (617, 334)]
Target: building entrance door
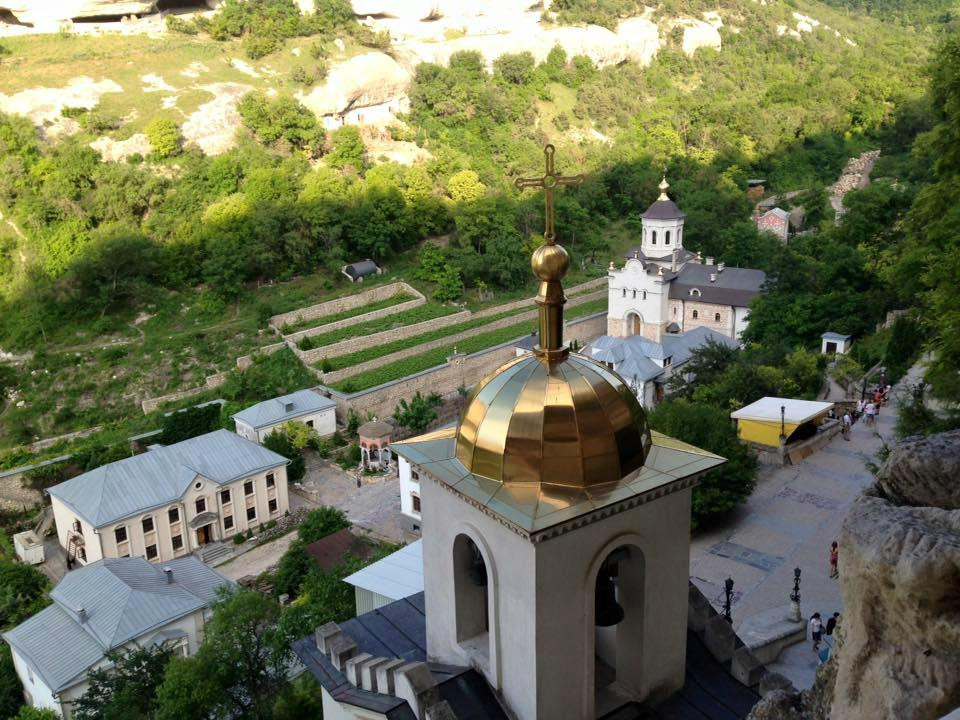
[(204, 535)]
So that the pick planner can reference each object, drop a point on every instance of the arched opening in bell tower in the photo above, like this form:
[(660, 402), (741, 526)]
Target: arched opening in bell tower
[(618, 638), (472, 585), (632, 324)]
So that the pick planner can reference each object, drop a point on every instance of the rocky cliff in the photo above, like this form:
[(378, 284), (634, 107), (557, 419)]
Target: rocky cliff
[(898, 656)]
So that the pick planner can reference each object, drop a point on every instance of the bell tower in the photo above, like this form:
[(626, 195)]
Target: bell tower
[(662, 227), (556, 527)]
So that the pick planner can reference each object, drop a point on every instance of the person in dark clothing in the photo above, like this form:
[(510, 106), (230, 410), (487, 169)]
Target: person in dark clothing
[(832, 625)]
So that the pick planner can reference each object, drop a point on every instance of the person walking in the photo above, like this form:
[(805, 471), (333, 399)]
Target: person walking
[(858, 413), (834, 559), (847, 423), (832, 625), (870, 411), (816, 630)]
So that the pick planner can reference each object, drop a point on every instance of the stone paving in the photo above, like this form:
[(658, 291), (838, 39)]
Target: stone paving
[(789, 521)]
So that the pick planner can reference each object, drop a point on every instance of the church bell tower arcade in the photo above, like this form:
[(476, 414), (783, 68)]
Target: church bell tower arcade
[(662, 226), (556, 527)]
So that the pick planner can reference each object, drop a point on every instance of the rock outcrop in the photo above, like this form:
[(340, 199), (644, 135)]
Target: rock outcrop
[(898, 652), (699, 34), (362, 81), (41, 13)]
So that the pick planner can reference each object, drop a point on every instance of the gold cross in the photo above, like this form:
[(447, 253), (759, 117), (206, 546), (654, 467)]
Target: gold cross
[(548, 182)]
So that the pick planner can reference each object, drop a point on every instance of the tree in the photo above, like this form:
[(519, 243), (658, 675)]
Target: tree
[(847, 372), (23, 592), (281, 119), (348, 149), (164, 137), (516, 68), (11, 691), (465, 187), (190, 422), (720, 490), (321, 522), (281, 443), (418, 413), (240, 667), (449, 284), (127, 689), (28, 712), (303, 698)]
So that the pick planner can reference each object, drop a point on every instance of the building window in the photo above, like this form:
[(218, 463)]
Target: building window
[(248, 487), (120, 534), (415, 475), (151, 552), (416, 502), (624, 292), (654, 240), (198, 485), (77, 527), (674, 310), (174, 515), (695, 314), (634, 294), (667, 240), (82, 554), (148, 524), (271, 480), (227, 522), (309, 423), (644, 294), (667, 361), (225, 496), (272, 505), (251, 513), (716, 317), (177, 542), (201, 505)]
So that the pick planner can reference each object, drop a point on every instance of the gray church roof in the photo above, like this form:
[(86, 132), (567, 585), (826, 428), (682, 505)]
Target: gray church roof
[(361, 269), (834, 336), (122, 599), (159, 477), (731, 286), (778, 212), (663, 210), (683, 255), (283, 408)]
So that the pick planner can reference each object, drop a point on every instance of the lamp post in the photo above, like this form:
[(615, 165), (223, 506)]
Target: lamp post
[(783, 415), (795, 597), (728, 587)]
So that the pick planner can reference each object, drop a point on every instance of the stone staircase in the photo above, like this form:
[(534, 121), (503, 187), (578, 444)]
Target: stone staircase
[(215, 553)]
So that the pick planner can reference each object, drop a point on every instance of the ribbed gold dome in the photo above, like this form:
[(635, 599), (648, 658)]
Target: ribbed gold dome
[(565, 421)]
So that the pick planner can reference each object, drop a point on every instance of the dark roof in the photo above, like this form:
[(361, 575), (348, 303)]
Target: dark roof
[(663, 210), (733, 286), (399, 630), (361, 269), (709, 691), (330, 550), (682, 257), (375, 429), (527, 342)]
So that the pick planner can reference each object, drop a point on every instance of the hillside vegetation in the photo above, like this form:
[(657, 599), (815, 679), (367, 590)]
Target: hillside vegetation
[(191, 246)]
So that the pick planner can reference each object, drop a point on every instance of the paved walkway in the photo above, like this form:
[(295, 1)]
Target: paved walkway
[(789, 521)]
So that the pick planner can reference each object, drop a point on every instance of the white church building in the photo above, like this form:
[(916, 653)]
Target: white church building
[(665, 289)]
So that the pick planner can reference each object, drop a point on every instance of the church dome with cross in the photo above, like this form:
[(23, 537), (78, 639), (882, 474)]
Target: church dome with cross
[(552, 418)]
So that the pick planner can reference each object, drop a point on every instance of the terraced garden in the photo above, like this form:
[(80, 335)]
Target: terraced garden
[(400, 297), (437, 356), (400, 319)]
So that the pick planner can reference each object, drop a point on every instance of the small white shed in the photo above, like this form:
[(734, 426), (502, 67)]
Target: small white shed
[(29, 547), (395, 577), (835, 343)]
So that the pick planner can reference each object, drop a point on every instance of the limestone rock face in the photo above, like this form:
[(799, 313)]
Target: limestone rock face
[(362, 81), (900, 570), (51, 12), (924, 471), (698, 34)]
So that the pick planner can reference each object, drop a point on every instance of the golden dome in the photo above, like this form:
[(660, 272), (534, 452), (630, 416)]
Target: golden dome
[(565, 421)]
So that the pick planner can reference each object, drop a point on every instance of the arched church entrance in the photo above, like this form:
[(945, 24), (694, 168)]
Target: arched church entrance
[(632, 324), (617, 637), (472, 589)]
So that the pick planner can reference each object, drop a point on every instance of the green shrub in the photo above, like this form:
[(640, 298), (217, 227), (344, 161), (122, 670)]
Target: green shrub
[(164, 137), (239, 539), (179, 25), (321, 522)]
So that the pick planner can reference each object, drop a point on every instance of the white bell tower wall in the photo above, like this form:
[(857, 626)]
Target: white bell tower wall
[(661, 237), (636, 301)]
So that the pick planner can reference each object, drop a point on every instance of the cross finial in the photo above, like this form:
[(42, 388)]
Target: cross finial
[(548, 182)]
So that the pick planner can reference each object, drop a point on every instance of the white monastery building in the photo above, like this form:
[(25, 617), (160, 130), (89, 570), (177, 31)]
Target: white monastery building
[(112, 604), (170, 501), (665, 289), (312, 409)]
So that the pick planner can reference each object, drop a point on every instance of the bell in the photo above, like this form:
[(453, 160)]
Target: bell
[(607, 610), (477, 572)]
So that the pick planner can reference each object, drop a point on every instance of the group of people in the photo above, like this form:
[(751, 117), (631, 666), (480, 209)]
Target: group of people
[(818, 629), (869, 407)]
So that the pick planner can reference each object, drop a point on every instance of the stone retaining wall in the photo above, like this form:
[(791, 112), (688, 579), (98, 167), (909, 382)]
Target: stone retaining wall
[(342, 304), (529, 316), (458, 371), (245, 361), (351, 345), (356, 319), (212, 381)]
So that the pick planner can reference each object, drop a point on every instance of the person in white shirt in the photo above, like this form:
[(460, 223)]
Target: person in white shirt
[(860, 403), (846, 426), (870, 410), (816, 629)]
